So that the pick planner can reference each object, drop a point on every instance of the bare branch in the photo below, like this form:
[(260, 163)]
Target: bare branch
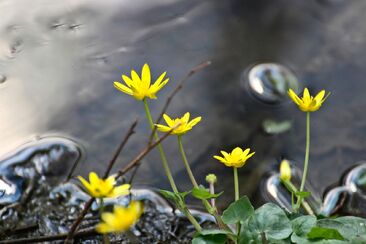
[(175, 91)]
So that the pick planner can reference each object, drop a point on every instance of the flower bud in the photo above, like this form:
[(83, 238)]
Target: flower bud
[(211, 178), (285, 170)]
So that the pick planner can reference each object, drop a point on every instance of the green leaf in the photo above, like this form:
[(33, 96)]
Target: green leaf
[(177, 198), (352, 226), (238, 211), (169, 195), (210, 237), (203, 193), (270, 221), (303, 194), (321, 233), (301, 226), (206, 232)]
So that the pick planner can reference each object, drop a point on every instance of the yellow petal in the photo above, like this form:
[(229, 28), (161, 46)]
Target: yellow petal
[(185, 118), (306, 94), (221, 159), (121, 190), (122, 88), (163, 128), (108, 218), (111, 181), (319, 97), (93, 179), (294, 97), (135, 78), (127, 80), (237, 151), (160, 79), (103, 228), (194, 121), (145, 75), (85, 183), (246, 151), (168, 120), (157, 86)]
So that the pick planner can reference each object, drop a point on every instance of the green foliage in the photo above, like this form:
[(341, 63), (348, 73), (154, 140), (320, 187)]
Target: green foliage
[(203, 193), (302, 194), (268, 222), (211, 237), (273, 225), (238, 211), (320, 233), (177, 198)]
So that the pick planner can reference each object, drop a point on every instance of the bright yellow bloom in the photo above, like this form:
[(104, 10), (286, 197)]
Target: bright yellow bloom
[(100, 188), (285, 170), (140, 87), (183, 124), (237, 158), (121, 219), (308, 103)]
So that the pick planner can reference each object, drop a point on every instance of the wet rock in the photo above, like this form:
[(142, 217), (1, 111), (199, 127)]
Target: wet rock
[(269, 82)]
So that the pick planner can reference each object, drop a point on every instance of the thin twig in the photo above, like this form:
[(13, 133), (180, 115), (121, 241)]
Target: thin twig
[(120, 173), (175, 91), (91, 200), (77, 222), (84, 233), (143, 153), (119, 149)]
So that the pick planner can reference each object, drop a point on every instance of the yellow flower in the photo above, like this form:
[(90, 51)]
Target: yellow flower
[(285, 170), (100, 188), (308, 103), (121, 219), (184, 124), (237, 158), (140, 87)]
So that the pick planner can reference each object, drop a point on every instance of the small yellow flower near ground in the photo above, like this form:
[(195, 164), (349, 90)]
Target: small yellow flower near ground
[(184, 124), (100, 188), (308, 103), (285, 170), (140, 87), (237, 158), (121, 219)]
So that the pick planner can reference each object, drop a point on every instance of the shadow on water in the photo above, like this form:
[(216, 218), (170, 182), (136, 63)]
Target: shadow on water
[(58, 62)]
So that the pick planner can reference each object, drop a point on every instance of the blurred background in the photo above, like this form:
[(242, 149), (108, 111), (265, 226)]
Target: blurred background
[(58, 61)]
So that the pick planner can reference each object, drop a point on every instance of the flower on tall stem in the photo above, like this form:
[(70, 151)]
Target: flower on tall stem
[(101, 188), (237, 158), (140, 87), (184, 124), (308, 103), (121, 219)]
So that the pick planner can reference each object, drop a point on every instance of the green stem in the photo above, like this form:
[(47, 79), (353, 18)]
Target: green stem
[(167, 169), (161, 150), (101, 209), (194, 222), (210, 209), (236, 183), (237, 194), (291, 188), (185, 161), (306, 161)]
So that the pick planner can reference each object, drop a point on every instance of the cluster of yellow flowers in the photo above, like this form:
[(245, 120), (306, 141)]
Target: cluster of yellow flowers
[(141, 87)]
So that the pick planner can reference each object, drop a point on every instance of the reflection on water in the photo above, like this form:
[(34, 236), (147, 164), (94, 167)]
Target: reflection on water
[(58, 62)]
